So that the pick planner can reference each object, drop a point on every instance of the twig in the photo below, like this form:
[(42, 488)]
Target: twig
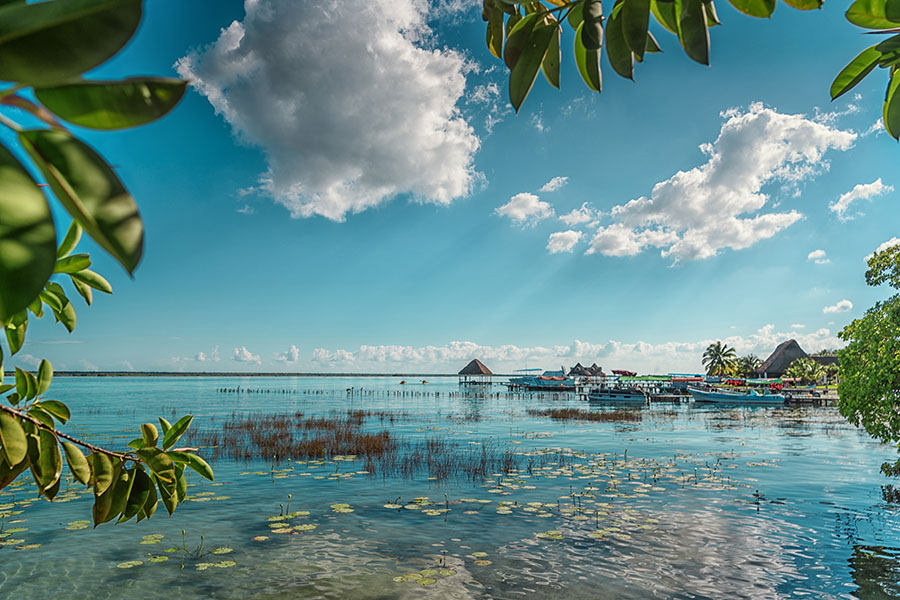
[(91, 447)]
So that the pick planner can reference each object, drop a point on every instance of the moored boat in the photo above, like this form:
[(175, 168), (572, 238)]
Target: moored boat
[(617, 394), (726, 397)]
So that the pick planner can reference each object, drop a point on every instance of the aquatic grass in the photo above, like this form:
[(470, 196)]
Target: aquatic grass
[(577, 414)]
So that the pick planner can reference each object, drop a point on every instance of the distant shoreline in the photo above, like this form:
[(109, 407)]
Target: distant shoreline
[(215, 374)]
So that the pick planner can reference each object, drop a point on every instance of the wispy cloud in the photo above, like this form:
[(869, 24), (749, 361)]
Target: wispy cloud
[(580, 216), (862, 191), (554, 184), (818, 256), (842, 306)]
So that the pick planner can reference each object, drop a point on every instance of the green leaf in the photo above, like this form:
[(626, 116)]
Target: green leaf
[(36, 307), (635, 21), (517, 39), (90, 191), (36, 412), (755, 8), (180, 483), (511, 22), (870, 14), (693, 32), (45, 376), (72, 264), (522, 76), (149, 434), (66, 313), (165, 425), (103, 501), (892, 10), (652, 45), (26, 236), (592, 27), (712, 19), (84, 290), (8, 474), (617, 51), (892, 44), (588, 63), (495, 32), (149, 506), (15, 331), (550, 66), (891, 111), (665, 13), (168, 494), (12, 436), (120, 493), (804, 4), (113, 104), (103, 469), (194, 462), (140, 493), (51, 42), (94, 280), (57, 409), (46, 464), (73, 236), (137, 443), (174, 433), (855, 72), (21, 383), (78, 464), (159, 463), (576, 15)]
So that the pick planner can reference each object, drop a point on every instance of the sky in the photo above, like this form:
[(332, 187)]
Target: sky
[(346, 188)]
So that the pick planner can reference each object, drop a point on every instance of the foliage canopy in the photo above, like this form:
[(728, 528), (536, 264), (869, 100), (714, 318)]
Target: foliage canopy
[(45, 48)]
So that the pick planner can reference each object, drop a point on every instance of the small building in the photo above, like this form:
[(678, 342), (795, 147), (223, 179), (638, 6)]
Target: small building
[(475, 373), (779, 361)]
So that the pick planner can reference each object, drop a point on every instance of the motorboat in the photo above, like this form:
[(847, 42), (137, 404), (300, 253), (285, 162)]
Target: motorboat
[(727, 397), (617, 394)]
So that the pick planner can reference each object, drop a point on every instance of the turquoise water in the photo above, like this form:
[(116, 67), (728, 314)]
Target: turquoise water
[(686, 502)]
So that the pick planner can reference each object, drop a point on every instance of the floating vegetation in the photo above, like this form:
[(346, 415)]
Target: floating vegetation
[(153, 538), (224, 564), (576, 414), (76, 525), (129, 564), (550, 535), (158, 559), (28, 547), (223, 550)]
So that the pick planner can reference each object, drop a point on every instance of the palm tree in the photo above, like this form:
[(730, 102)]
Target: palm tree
[(719, 359), (748, 365), (805, 369)]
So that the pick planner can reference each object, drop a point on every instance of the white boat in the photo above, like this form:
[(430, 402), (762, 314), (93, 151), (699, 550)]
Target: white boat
[(726, 397), (617, 394)]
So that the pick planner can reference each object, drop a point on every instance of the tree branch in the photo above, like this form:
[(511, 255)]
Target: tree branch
[(91, 447)]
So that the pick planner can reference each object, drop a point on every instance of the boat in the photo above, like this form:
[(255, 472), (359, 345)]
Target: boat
[(548, 381), (726, 397), (617, 394)]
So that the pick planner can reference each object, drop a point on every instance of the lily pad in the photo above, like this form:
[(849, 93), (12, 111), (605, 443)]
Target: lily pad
[(129, 564), (223, 550), (158, 559), (426, 581)]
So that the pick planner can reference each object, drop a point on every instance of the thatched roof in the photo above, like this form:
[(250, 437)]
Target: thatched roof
[(596, 370), (825, 360), (476, 367), (579, 370), (778, 362)]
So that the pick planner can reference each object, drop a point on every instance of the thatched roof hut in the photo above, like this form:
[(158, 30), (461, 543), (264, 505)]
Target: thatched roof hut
[(779, 361), (475, 373), (580, 371), (596, 370)]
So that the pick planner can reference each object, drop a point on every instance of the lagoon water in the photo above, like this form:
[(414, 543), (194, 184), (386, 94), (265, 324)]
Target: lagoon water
[(686, 502)]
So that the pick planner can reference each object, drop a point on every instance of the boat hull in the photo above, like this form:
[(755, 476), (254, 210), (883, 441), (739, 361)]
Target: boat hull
[(735, 397), (611, 395)]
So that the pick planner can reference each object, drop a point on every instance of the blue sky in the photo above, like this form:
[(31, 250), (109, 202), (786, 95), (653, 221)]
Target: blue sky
[(347, 189)]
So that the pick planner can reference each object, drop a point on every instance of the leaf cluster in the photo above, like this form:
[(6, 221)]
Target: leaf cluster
[(45, 49)]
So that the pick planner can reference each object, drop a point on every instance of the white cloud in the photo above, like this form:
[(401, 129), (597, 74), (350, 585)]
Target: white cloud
[(818, 256), (578, 216), (208, 357), (554, 184), (645, 357), (127, 365), (525, 208), (798, 326), (894, 241), (246, 210), (862, 191), (348, 101), (563, 241), (842, 306), (538, 123), (721, 204), (27, 361), (291, 356), (243, 355)]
